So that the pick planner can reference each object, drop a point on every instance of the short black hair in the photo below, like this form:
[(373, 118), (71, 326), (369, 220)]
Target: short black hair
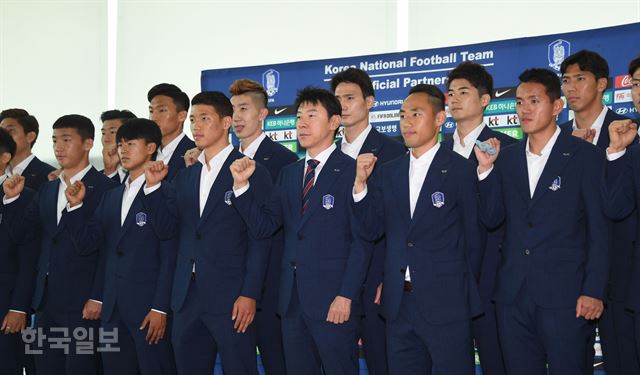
[(588, 61), (140, 128), (355, 76), (81, 124), (476, 74), (29, 124), (116, 114), (180, 99), (545, 77), (634, 65), (13, 113), (217, 100), (436, 97), (7, 144), (315, 95)]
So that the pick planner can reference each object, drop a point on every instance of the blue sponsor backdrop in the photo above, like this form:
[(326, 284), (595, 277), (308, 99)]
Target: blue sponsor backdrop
[(394, 73)]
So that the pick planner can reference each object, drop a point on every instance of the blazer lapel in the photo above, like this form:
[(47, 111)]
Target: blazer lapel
[(328, 176), (264, 151), (560, 155), (436, 176), (136, 206), (223, 182), (400, 183), (372, 143)]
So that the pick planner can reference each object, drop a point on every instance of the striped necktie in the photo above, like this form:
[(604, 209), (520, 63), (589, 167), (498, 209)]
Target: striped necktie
[(309, 179)]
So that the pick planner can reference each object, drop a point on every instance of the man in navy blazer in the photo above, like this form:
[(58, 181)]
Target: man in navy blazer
[(354, 90), (168, 107), (112, 120), (426, 204), (137, 262), (554, 260), (621, 202), (220, 267), (24, 129), (249, 100), (324, 262), (585, 75), (469, 90), (67, 294), (18, 257)]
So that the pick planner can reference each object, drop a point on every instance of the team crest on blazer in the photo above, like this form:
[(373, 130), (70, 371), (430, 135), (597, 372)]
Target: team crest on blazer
[(555, 185), (141, 219), (437, 199), (328, 201), (227, 197)]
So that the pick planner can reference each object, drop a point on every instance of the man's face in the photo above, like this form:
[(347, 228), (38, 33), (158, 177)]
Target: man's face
[(164, 112), (418, 122), (22, 139), (109, 130), (247, 116), (355, 107), (207, 127), (135, 153), (69, 148), (314, 126), (465, 102), (581, 88), (635, 89), (535, 108)]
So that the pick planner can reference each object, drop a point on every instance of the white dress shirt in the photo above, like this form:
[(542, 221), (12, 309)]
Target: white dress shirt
[(131, 189), (353, 149), (121, 172), (165, 153), (20, 167), (4, 177), (597, 124), (62, 199), (469, 141), (253, 147)]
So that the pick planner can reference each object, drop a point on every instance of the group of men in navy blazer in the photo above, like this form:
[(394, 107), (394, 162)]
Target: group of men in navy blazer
[(418, 253)]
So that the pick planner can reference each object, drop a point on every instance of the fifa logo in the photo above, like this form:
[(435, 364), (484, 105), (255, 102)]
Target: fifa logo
[(557, 52), (271, 81)]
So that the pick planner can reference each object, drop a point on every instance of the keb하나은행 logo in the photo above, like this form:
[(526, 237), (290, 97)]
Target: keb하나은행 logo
[(557, 51)]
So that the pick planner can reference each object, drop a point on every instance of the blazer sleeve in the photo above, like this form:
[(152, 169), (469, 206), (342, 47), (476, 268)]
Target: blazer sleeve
[(262, 215)]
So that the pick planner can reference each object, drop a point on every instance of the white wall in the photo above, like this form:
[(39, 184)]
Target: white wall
[(53, 54)]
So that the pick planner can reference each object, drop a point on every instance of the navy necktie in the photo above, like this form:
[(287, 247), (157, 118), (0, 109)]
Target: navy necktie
[(309, 179)]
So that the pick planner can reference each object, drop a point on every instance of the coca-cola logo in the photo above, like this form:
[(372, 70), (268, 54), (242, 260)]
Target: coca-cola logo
[(626, 81)]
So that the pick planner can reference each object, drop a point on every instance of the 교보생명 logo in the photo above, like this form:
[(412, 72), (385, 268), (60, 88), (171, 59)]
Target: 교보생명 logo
[(271, 81), (557, 51)]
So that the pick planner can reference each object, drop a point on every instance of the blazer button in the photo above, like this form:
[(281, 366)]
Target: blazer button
[(530, 225), (403, 270), (198, 237), (54, 241), (527, 252), (410, 244), (300, 237), (120, 253)]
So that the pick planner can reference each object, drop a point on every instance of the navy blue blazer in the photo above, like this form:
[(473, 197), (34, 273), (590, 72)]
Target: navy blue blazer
[(36, 173), (323, 253), (274, 157), (137, 259), (229, 262), (18, 257), (555, 242), (176, 163), (485, 134), (442, 244), (67, 269), (603, 138), (622, 196)]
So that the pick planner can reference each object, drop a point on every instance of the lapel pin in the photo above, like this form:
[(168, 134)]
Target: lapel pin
[(437, 199), (555, 185), (227, 197), (141, 219), (328, 201)]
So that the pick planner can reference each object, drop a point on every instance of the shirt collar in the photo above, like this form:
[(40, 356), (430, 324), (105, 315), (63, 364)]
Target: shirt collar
[(253, 147), (359, 141), (171, 146), (20, 167), (547, 148), (470, 138), (77, 177), (220, 157), (323, 156), (599, 121), (425, 158), (135, 184)]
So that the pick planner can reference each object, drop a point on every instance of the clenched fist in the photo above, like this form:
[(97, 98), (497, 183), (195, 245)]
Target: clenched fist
[(241, 170), (75, 193), (13, 186), (191, 156), (621, 134), (364, 166), (485, 160), (155, 172)]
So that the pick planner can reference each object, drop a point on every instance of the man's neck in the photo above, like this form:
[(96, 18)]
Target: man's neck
[(586, 118), (213, 150), (72, 171), (166, 139), (20, 157), (246, 142), (538, 140), (135, 173), (352, 132), (315, 151), (464, 127), (421, 150)]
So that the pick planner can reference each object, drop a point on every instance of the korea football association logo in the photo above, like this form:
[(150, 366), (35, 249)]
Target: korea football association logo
[(557, 51), (271, 81)]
